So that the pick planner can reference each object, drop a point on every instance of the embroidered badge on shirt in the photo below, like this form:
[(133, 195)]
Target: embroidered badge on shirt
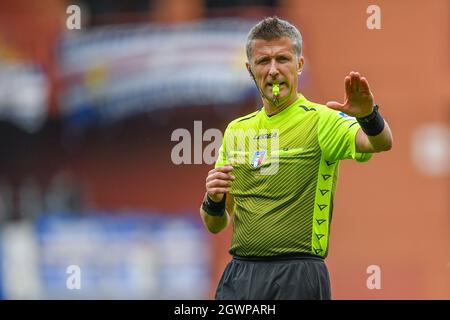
[(258, 158)]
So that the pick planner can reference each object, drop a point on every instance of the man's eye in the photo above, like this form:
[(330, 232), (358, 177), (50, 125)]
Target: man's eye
[(263, 61)]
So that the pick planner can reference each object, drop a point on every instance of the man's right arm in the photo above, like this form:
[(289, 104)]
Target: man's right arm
[(216, 224), (218, 183)]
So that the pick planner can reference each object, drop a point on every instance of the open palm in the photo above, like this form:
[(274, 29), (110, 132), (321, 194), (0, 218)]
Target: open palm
[(358, 98)]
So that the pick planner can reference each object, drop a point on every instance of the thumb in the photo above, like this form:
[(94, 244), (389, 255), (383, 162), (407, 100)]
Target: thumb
[(335, 105)]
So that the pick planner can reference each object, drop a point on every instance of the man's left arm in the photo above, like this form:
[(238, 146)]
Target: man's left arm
[(375, 135), (378, 143)]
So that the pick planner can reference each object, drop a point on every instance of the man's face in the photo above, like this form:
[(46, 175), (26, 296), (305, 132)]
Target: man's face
[(275, 61)]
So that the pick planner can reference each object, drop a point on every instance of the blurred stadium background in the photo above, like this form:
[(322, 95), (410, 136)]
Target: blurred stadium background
[(86, 117)]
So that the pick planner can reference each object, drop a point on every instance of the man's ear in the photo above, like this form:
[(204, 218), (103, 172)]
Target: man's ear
[(301, 62), (249, 69), (247, 65)]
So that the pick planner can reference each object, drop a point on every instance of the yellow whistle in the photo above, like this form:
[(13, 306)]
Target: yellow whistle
[(276, 89)]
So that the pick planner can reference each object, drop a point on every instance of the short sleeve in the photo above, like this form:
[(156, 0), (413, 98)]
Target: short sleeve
[(337, 136), (222, 157)]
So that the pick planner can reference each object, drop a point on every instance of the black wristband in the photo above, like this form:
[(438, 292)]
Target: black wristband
[(216, 209), (372, 124)]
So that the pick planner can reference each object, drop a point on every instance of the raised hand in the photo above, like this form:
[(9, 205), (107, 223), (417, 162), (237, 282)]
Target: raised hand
[(358, 97)]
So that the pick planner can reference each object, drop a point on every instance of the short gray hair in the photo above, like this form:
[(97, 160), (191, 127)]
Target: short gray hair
[(273, 28)]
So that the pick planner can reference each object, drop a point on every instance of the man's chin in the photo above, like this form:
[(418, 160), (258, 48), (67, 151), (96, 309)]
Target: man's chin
[(280, 97)]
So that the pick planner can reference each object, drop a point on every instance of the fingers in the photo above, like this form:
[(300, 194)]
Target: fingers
[(220, 176), (357, 83), (354, 81), (225, 168), (335, 105), (218, 184), (364, 85), (220, 173), (219, 180), (348, 87)]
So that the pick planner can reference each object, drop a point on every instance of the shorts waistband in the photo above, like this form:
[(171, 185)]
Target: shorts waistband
[(283, 257)]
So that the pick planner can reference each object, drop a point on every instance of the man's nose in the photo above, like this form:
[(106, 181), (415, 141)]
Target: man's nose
[(273, 72)]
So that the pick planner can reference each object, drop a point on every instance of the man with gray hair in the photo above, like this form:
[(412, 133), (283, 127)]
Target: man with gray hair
[(281, 219)]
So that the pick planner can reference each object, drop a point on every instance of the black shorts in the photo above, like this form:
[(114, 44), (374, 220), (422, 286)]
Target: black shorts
[(299, 278)]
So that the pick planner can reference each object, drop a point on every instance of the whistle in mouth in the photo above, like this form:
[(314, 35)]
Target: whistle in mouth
[(276, 89)]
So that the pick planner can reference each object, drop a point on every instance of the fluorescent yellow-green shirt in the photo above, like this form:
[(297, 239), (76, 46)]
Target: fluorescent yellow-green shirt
[(286, 168)]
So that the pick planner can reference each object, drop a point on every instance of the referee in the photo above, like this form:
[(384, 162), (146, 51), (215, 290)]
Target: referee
[(276, 175)]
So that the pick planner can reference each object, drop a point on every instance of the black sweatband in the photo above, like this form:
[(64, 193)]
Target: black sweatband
[(213, 208), (372, 124)]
